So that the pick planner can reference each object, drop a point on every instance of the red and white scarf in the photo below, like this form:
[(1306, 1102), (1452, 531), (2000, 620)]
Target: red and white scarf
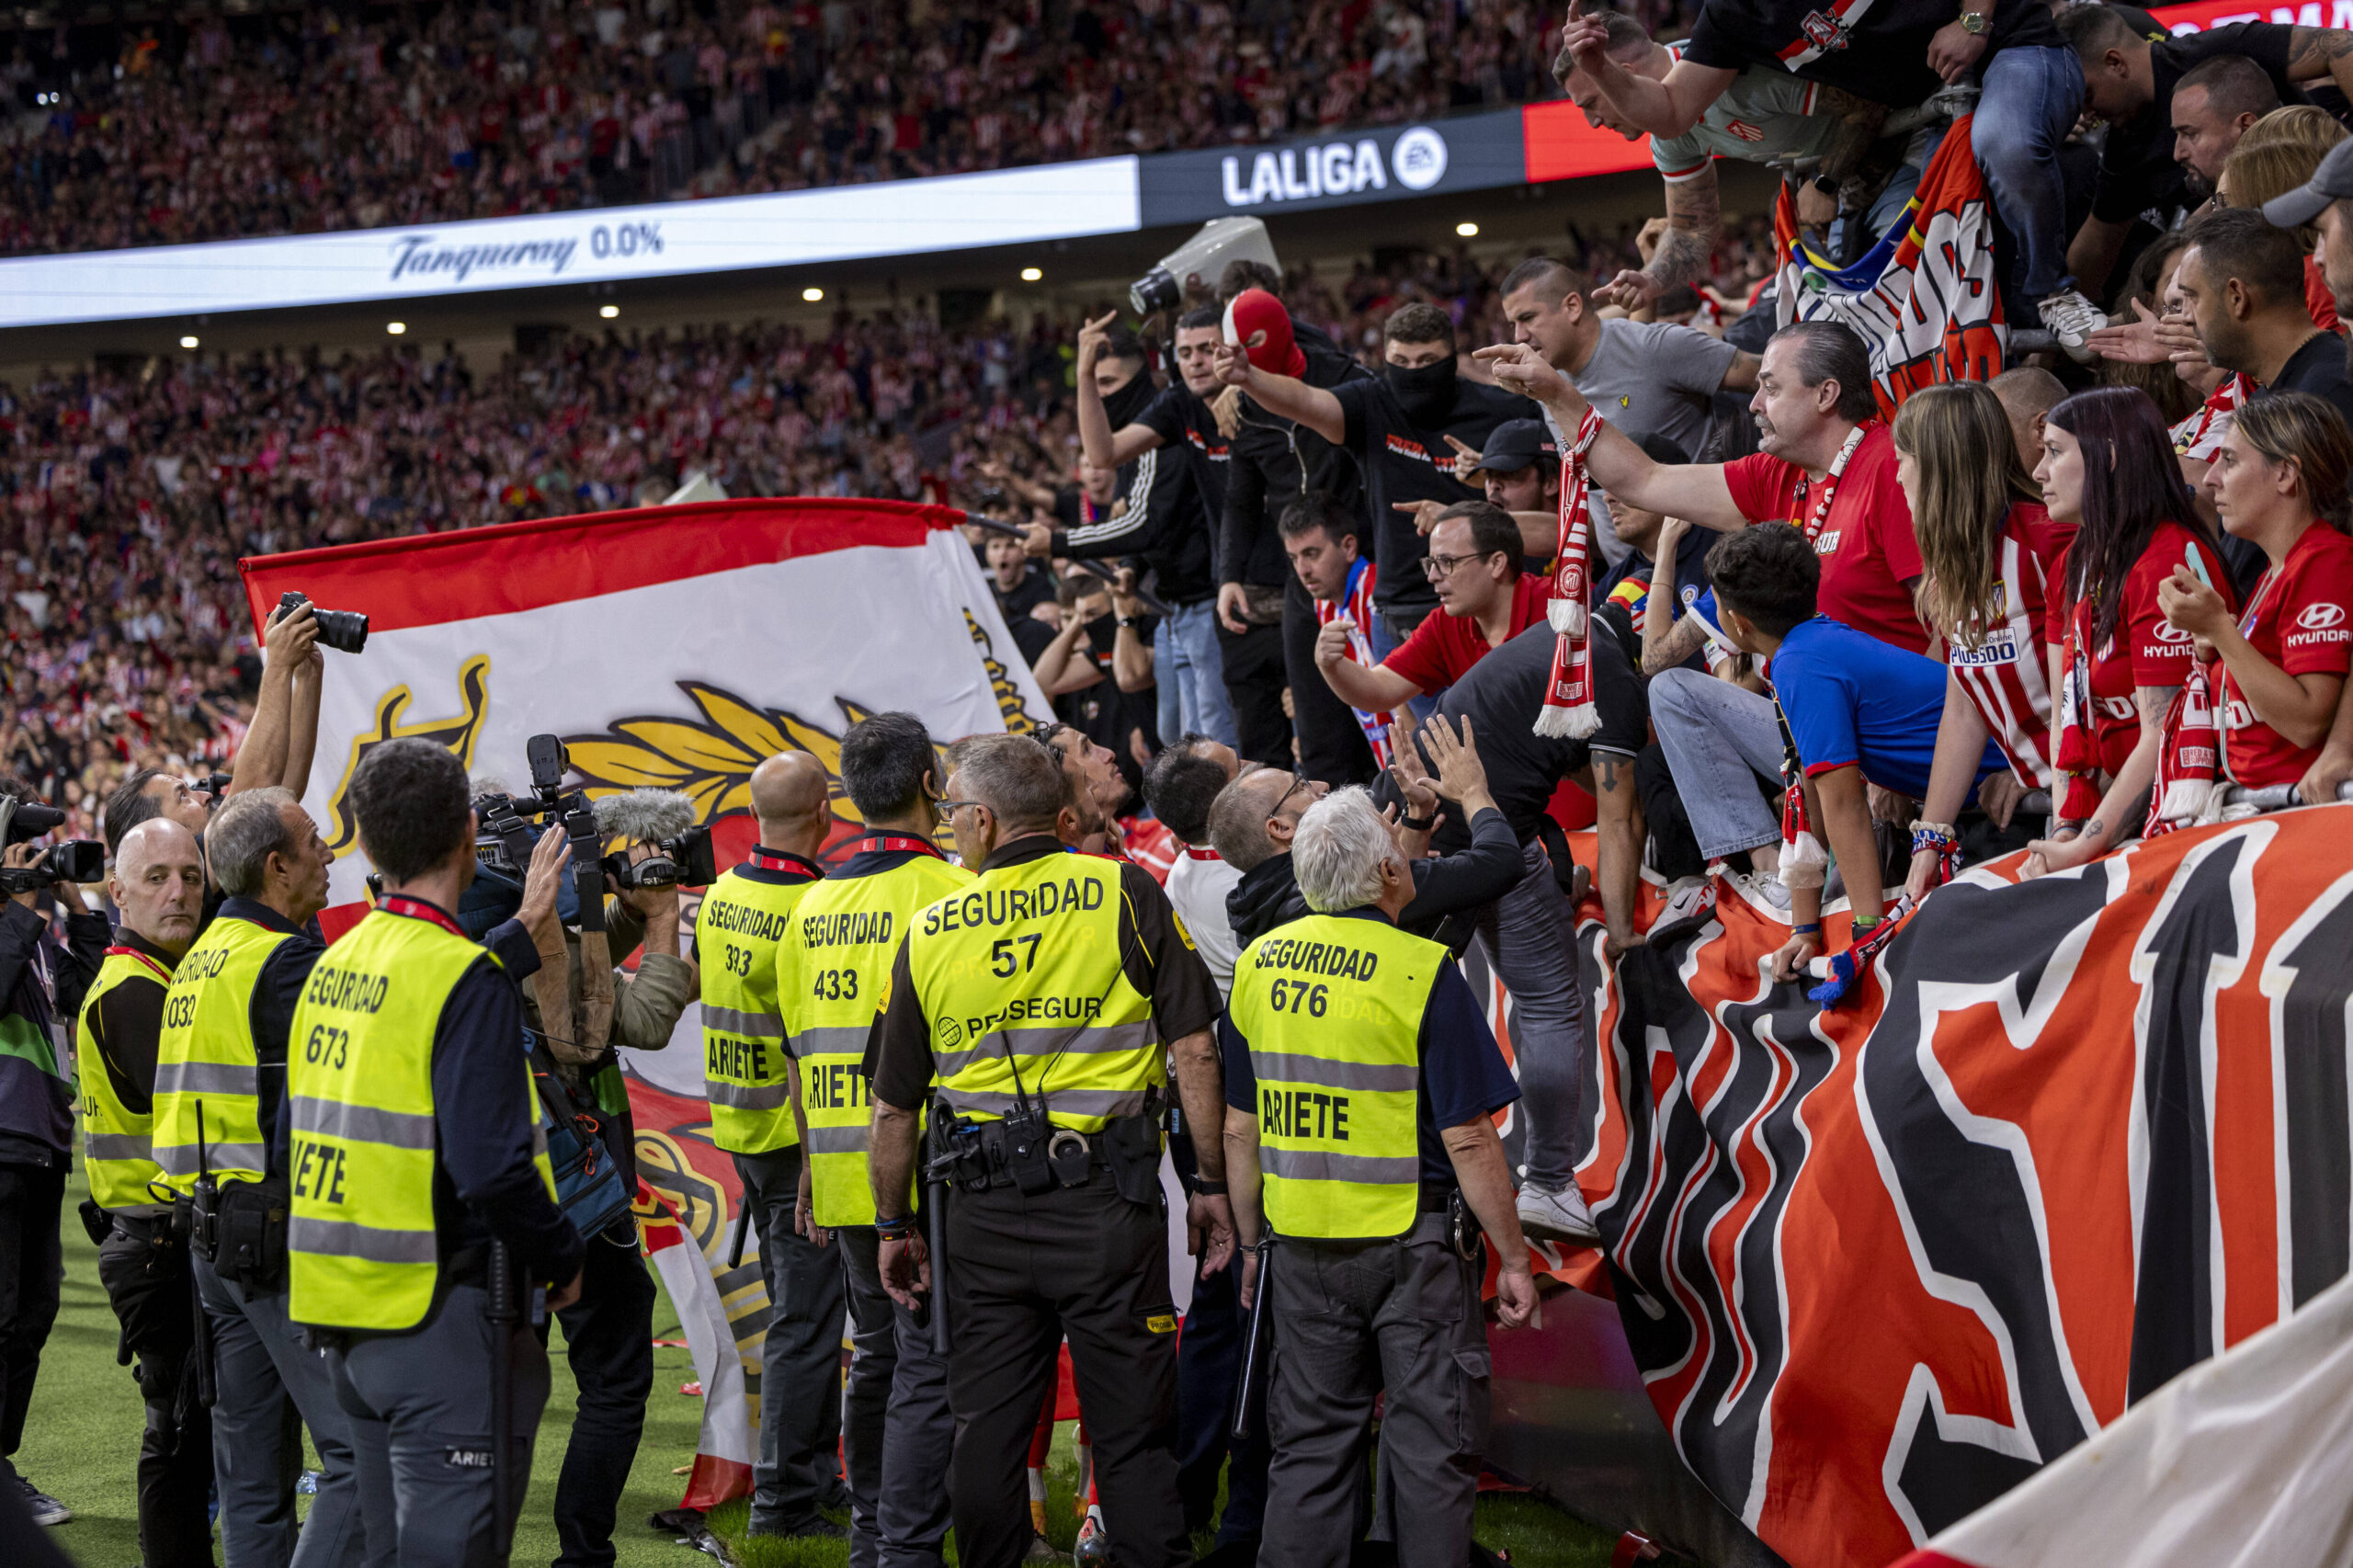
[(2189, 763), (1569, 712), (1810, 524)]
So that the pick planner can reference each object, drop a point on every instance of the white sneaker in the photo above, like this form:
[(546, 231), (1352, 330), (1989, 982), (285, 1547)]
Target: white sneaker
[(1690, 903), (1559, 1216), (2072, 320)]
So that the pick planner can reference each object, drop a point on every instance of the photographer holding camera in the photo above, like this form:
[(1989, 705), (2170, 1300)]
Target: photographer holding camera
[(609, 1330), (40, 982)]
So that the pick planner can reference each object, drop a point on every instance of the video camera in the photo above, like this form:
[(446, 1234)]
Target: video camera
[(1200, 262), (345, 631), (75, 861), (664, 820), (506, 839)]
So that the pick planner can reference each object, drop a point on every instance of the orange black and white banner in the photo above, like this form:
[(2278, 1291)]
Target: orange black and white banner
[(2072, 1138)]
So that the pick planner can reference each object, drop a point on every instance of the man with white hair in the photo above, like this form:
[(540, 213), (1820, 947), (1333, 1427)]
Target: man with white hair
[(1362, 1087)]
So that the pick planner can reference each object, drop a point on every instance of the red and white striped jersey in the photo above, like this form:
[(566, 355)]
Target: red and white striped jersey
[(2199, 437), (1356, 603), (2007, 674)]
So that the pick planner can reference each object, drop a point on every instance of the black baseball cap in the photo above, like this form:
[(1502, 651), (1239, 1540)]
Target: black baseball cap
[(1516, 443), (2333, 181)]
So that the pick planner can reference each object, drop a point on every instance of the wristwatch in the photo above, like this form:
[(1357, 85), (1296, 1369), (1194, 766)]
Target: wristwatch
[(1974, 22)]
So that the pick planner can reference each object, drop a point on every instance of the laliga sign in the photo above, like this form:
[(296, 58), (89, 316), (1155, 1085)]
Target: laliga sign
[(1417, 162)]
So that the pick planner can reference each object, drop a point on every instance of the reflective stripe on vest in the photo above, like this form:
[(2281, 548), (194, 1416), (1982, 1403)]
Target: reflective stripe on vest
[(747, 1071), (832, 980), (116, 1142), (1026, 959), (205, 1055), (1332, 1008), (360, 1238)]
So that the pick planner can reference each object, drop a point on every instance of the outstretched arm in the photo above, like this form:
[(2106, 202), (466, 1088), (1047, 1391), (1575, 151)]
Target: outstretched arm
[(1667, 107), (1695, 216), (1694, 491), (1282, 396)]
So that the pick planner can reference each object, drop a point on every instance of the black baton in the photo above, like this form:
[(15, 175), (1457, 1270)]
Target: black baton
[(743, 1228), (1250, 1392)]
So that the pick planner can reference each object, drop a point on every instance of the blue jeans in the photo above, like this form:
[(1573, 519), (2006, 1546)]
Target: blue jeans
[(2030, 101), (1190, 675), (1719, 740)]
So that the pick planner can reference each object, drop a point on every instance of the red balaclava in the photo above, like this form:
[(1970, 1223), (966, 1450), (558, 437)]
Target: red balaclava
[(1257, 323)]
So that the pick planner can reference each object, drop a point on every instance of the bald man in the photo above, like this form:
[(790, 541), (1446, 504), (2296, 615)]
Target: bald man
[(2028, 395), (158, 884), (746, 917)]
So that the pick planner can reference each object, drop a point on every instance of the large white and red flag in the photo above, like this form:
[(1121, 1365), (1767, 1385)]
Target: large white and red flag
[(674, 648)]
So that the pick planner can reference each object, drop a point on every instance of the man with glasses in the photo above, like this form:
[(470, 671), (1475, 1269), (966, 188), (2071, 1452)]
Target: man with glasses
[(1485, 600)]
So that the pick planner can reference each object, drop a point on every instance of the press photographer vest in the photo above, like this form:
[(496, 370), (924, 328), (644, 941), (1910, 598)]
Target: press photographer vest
[(205, 1054), (361, 1249), (1332, 1006), (746, 1066), (1027, 960), (118, 1144), (832, 980)]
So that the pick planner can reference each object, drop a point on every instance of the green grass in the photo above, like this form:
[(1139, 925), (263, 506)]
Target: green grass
[(82, 1445), (82, 1441)]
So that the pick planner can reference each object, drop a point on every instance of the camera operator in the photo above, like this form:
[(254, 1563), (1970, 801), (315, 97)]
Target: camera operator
[(158, 888), (419, 1181), (40, 982), (609, 1331), (222, 1054)]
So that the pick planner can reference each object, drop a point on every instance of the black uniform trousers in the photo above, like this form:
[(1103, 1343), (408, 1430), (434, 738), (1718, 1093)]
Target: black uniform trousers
[(145, 1270), (32, 1267), (608, 1339), (1253, 662), (1022, 1273)]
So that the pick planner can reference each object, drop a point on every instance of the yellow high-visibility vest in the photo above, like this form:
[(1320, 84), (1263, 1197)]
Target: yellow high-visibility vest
[(1022, 978), (1332, 1008), (833, 982), (747, 1071), (205, 1055), (362, 1251), (117, 1142)]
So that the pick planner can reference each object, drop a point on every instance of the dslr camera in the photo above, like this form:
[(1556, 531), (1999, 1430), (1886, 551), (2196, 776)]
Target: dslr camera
[(345, 631), (75, 861)]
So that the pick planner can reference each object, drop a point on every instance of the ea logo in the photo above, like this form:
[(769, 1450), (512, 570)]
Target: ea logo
[(2168, 632), (2321, 617), (951, 1033), (1419, 158)]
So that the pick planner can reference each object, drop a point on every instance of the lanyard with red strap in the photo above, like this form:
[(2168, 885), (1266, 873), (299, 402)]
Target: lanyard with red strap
[(1810, 525), (769, 861), (417, 909), (161, 972), (1193, 854), (895, 844)]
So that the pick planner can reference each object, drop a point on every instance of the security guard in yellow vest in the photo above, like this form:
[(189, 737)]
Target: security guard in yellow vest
[(1361, 1083), (158, 888), (414, 1144), (1046, 1001), (833, 972), (222, 1047), (739, 934)]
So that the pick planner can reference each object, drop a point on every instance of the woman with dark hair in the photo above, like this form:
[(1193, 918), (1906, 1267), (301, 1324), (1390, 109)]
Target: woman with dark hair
[(2109, 471), (1992, 555), (2278, 483)]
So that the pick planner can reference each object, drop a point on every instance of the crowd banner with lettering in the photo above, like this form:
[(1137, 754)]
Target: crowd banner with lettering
[(673, 648), (2072, 1138), (1924, 297)]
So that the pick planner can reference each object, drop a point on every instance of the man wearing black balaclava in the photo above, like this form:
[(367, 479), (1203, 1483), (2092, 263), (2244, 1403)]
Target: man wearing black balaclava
[(1399, 429)]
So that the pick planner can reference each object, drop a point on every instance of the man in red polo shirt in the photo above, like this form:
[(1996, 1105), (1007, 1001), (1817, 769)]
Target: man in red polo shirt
[(1828, 467), (1484, 599)]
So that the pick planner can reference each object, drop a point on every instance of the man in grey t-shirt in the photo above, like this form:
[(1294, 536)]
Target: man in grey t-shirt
[(1645, 377)]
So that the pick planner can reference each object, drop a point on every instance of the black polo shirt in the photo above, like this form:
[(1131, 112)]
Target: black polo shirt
[(2137, 172)]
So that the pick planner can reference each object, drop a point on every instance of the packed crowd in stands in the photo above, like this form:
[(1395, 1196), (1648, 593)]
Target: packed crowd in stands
[(355, 117)]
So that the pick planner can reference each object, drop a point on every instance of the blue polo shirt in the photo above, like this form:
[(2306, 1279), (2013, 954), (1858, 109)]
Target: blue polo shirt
[(1852, 699), (1463, 1071)]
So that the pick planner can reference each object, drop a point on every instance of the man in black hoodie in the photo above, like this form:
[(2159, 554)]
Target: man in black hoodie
[(1398, 428), (1252, 821)]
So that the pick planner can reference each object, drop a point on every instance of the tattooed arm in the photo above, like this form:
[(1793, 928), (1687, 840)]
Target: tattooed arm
[(1695, 217), (1619, 819), (2115, 821), (2314, 52)]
